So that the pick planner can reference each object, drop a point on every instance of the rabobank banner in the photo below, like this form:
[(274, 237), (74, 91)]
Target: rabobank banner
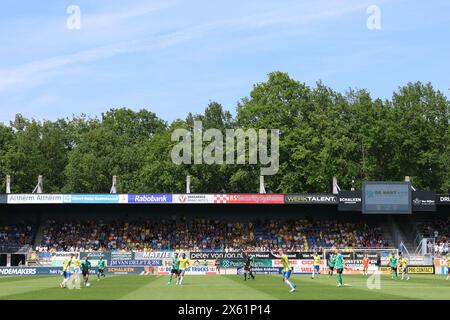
[(149, 198)]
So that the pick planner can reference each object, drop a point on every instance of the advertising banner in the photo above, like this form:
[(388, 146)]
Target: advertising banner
[(149, 198), (216, 255), (241, 255), (121, 255), (3, 198), (35, 198), (262, 270), (125, 270), (96, 255), (195, 271), (92, 198), (441, 266), (349, 201), (311, 199), (424, 201), (147, 263), (192, 198), (443, 199), (157, 255), (300, 266), (237, 263), (30, 271), (421, 269), (255, 198), (57, 258)]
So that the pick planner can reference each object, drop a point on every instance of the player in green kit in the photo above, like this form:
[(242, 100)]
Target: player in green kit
[(248, 268), (331, 264), (175, 267), (101, 268), (85, 268), (393, 264), (339, 267)]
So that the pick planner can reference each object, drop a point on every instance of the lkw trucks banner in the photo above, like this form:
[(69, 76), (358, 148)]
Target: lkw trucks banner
[(196, 271)]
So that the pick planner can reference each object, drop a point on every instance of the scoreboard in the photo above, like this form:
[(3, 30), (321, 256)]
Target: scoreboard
[(386, 197)]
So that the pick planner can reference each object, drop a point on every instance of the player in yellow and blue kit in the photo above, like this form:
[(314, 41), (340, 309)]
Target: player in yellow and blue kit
[(316, 266), (75, 273), (183, 263), (66, 271), (404, 267), (448, 266), (287, 269)]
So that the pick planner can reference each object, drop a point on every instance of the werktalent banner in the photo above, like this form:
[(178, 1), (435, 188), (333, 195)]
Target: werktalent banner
[(311, 199)]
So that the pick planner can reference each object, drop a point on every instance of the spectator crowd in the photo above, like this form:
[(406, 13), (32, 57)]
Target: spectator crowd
[(16, 234), (202, 234)]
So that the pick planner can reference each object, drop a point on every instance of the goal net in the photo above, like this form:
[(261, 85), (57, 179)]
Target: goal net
[(353, 259)]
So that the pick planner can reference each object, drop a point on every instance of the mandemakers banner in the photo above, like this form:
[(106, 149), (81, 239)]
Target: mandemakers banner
[(29, 271), (310, 199)]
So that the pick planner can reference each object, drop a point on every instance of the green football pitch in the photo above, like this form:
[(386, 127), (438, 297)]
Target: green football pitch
[(264, 287)]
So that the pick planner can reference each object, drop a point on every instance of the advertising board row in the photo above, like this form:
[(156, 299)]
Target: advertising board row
[(346, 200), (54, 271), (266, 267)]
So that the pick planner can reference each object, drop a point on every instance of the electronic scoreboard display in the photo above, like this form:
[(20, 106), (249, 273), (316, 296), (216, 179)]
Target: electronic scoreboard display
[(386, 197)]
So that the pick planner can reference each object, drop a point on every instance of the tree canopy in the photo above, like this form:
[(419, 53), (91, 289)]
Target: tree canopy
[(323, 133)]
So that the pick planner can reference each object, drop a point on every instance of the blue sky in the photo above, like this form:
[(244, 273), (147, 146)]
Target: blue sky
[(174, 56)]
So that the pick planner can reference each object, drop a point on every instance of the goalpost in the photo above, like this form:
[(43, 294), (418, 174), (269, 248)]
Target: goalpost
[(353, 258)]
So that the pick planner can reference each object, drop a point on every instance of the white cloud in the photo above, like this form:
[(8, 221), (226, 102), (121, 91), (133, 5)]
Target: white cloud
[(38, 72)]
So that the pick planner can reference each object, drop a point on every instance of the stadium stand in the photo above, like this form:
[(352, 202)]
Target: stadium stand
[(207, 235), (16, 234), (437, 228)]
